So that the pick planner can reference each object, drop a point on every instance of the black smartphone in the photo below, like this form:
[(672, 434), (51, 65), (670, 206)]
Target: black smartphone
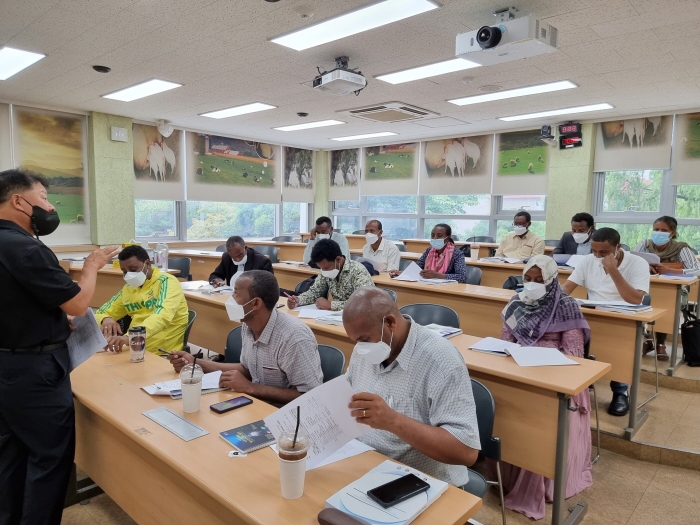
[(231, 404), (398, 490)]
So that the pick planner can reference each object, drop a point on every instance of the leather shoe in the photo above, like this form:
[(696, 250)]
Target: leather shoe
[(661, 354), (619, 406)]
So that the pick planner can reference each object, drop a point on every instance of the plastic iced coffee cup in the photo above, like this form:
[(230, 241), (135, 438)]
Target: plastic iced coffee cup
[(191, 387), (292, 460)]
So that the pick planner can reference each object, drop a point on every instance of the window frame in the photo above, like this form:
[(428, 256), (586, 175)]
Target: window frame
[(180, 219)]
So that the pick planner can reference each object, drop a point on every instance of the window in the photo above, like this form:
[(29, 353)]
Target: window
[(690, 233), (523, 202), (392, 204), (295, 217), (687, 202), (156, 219), (630, 234), (347, 224), (399, 228), (638, 191), (458, 205), (346, 205), (461, 229), (219, 220)]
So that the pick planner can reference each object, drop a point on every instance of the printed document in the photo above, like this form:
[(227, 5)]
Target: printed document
[(85, 340), (539, 356), (411, 273)]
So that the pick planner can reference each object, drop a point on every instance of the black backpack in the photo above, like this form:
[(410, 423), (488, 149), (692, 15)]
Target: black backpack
[(690, 336)]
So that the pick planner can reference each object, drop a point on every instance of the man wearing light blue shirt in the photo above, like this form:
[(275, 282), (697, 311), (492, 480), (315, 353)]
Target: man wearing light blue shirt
[(324, 230)]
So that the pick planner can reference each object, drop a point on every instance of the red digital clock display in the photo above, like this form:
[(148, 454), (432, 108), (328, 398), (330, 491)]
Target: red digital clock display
[(569, 128), (571, 140)]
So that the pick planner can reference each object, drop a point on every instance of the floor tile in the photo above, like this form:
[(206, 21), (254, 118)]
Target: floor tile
[(77, 515), (106, 512), (624, 467), (614, 497), (657, 428), (659, 507), (681, 482), (685, 437)]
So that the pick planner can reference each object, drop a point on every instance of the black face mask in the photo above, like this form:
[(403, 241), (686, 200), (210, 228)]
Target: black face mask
[(43, 222)]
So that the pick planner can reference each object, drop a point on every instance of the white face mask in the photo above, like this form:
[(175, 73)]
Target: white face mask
[(331, 274), (234, 310), (534, 291), (371, 238), (321, 236), (242, 261), (136, 279), (580, 238), (375, 353), (520, 230), (599, 260)]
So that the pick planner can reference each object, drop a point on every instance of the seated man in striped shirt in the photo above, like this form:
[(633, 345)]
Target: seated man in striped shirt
[(279, 359), (414, 389)]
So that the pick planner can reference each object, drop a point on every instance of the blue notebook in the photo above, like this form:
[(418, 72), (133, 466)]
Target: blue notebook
[(250, 437)]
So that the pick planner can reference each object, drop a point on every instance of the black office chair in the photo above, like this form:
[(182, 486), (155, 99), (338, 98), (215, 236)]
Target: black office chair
[(183, 264), (404, 263), (402, 247), (354, 256), (473, 275), (270, 251), (221, 248), (478, 239), (455, 237), (332, 362), (391, 293), (514, 282), (283, 238), (358, 232), (551, 242), (234, 345), (425, 313), (191, 316), (490, 444), (587, 355)]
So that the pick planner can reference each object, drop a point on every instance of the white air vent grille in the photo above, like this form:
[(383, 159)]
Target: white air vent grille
[(389, 112)]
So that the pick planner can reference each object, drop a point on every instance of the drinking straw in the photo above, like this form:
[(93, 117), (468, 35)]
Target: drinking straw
[(193, 365), (294, 443)]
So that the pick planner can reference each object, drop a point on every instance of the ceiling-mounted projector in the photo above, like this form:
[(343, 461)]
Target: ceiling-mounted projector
[(510, 40), (165, 128), (340, 81)]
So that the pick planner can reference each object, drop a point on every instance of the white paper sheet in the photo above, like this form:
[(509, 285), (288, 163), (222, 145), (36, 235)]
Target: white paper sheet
[(85, 340), (436, 282), (296, 263), (164, 388), (510, 260), (312, 307), (334, 318), (587, 302), (651, 258), (194, 285), (325, 417), (378, 266), (491, 345), (411, 273), (313, 314), (538, 356), (350, 449), (575, 260)]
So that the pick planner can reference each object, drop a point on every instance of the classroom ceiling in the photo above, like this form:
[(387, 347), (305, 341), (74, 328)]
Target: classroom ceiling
[(641, 56)]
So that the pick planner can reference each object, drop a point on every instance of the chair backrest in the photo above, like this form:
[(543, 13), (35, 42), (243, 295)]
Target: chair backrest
[(485, 414), (404, 263), (358, 232), (332, 362), (466, 250), (425, 313), (234, 345), (625, 247), (455, 237), (551, 242), (221, 248), (191, 316), (646, 300), (304, 286), (391, 293), (183, 264), (270, 251), (355, 256), (283, 238), (401, 247), (473, 275), (513, 282), (481, 238)]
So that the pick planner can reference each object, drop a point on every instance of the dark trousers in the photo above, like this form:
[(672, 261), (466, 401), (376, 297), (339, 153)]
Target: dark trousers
[(37, 436)]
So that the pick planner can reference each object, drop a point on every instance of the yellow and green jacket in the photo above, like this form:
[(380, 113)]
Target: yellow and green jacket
[(159, 305)]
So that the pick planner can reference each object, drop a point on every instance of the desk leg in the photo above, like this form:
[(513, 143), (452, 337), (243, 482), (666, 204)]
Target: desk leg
[(636, 419), (579, 511), (676, 321)]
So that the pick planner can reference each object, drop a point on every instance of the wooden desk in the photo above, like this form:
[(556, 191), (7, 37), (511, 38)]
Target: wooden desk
[(420, 245), (288, 275), (109, 281), (288, 251), (159, 479)]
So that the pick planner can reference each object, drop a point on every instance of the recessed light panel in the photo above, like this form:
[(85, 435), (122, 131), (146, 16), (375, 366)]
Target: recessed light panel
[(555, 112), (12, 61), (511, 93), (145, 89), (238, 110), (367, 136), (429, 70), (310, 125)]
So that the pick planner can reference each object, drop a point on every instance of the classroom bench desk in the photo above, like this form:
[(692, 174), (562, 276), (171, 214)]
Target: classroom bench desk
[(159, 479), (420, 245)]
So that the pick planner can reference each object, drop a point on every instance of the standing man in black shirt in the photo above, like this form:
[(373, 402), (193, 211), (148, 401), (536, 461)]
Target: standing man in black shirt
[(37, 430)]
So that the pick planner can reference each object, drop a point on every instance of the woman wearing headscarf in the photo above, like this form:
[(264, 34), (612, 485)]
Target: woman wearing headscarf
[(442, 260), (542, 315), (676, 257)]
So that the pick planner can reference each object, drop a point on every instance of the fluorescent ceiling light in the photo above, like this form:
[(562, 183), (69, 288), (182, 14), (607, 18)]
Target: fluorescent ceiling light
[(429, 70), (511, 93), (367, 136), (555, 112), (145, 89), (309, 125), (238, 110), (365, 18), (12, 61)]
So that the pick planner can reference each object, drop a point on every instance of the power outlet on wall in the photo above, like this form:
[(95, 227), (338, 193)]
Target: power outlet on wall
[(119, 134)]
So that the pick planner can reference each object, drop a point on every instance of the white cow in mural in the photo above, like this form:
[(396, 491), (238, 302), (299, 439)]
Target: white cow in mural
[(338, 179), (169, 159), (306, 178), (472, 151), (634, 127), (656, 122), (156, 161), (455, 158), (352, 175), (293, 178)]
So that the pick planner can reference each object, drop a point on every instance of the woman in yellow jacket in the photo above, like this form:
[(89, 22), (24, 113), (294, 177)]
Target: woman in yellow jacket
[(151, 298)]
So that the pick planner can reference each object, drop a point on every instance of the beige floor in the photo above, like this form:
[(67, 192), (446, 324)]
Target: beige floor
[(624, 492)]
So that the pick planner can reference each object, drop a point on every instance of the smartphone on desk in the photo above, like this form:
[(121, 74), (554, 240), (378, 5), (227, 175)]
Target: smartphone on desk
[(231, 404), (398, 490)]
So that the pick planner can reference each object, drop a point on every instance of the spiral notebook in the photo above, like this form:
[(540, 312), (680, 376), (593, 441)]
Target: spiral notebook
[(249, 438)]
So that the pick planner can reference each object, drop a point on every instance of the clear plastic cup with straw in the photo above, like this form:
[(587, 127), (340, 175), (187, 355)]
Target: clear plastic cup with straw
[(191, 379), (292, 449)]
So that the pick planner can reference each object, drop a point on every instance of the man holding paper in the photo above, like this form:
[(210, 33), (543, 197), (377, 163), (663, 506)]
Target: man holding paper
[(414, 389), (380, 249), (611, 274)]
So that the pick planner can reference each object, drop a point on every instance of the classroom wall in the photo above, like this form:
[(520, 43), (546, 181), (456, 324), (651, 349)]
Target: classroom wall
[(111, 176), (570, 184)]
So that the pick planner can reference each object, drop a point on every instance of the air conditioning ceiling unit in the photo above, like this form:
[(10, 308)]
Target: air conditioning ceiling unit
[(390, 112)]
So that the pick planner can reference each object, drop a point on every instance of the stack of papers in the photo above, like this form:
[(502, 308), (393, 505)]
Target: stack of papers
[(615, 306), (502, 259), (353, 499), (173, 388), (335, 318), (443, 331), (195, 285), (677, 276), (412, 274), (651, 258), (523, 355), (436, 281), (296, 263)]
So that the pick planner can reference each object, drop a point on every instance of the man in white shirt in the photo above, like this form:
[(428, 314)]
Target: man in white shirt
[(611, 274), (380, 249), (324, 230)]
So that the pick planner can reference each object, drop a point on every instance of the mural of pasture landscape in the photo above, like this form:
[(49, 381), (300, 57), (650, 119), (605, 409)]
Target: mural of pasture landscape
[(156, 158), (457, 165), (53, 145), (690, 136), (229, 161), (521, 153), (298, 168), (395, 161)]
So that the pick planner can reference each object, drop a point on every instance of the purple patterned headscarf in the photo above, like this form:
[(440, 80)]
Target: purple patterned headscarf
[(528, 320)]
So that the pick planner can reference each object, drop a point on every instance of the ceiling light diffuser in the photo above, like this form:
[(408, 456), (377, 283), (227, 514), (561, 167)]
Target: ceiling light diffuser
[(12, 61), (145, 89), (555, 112), (238, 110), (511, 93), (309, 125), (373, 15), (367, 136), (429, 70)]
